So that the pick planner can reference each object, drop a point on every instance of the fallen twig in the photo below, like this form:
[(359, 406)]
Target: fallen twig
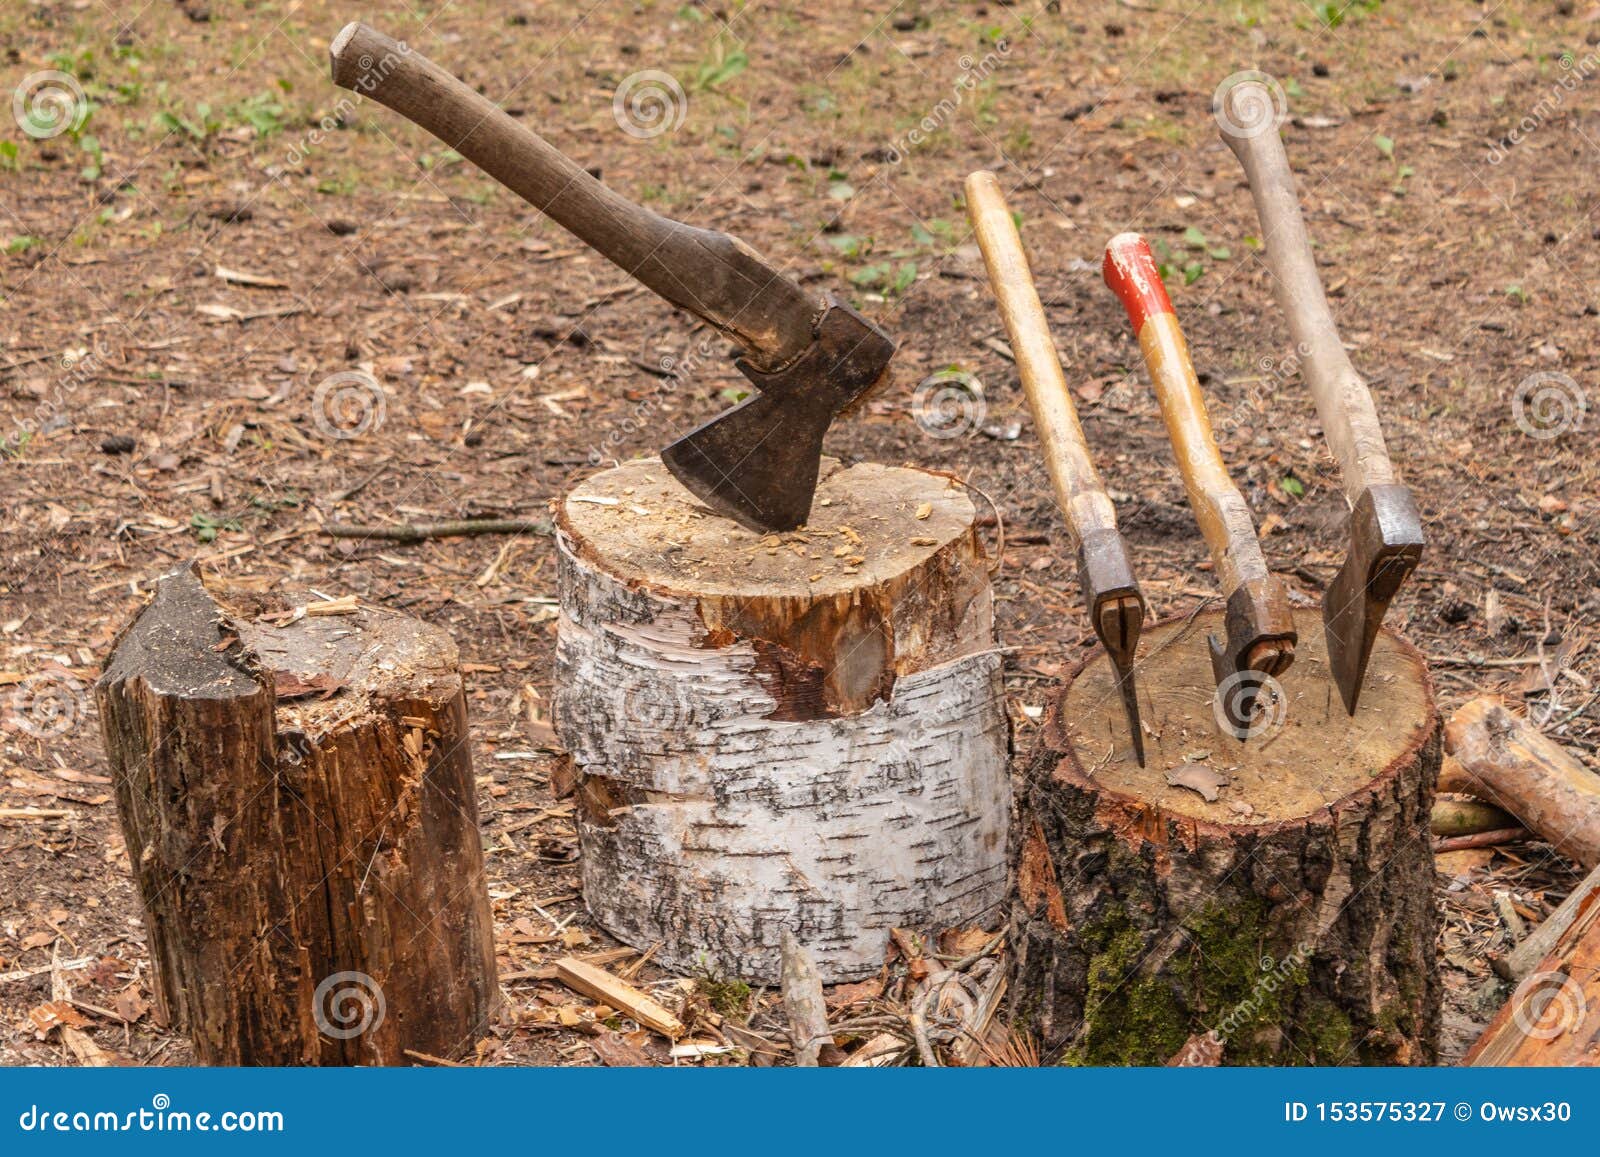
[(421, 531), (1480, 840)]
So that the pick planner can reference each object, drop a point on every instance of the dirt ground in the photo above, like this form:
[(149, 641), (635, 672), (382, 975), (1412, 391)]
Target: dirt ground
[(225, 231)]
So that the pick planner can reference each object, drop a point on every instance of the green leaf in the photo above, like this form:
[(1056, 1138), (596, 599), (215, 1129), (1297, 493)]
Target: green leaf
[(1193, 238), (734, 394), (1192, 272), (904, 279), (1293, 487), (1220, 253), (869, 275), (1385, 145), (1251, 242)]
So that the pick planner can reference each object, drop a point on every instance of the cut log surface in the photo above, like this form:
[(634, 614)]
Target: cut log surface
[(299, 808), (801, 731), (1291, 913)]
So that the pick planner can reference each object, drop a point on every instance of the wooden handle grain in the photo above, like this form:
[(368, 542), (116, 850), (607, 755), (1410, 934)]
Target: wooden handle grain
[(711, 274), (1077, 484), (1219, 508), (1344, 404)]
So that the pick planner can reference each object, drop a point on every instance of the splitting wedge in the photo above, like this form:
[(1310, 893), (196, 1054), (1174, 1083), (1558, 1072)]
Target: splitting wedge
[(1116, 605), (1385, 526), (1260, 631), (808, 356)]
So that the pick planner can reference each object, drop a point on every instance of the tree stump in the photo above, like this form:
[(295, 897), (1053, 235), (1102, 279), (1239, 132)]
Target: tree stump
[(297, 797), (1292, 915), (803, 730)]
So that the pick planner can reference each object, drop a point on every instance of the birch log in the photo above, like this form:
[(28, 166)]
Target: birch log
[(802, 730), (1276, 892), (298, 804)]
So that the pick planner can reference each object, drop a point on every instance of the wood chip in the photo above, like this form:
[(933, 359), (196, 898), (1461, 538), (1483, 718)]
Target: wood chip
[(598, 984)]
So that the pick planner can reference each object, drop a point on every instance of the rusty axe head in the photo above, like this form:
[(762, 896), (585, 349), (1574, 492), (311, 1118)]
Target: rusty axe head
[(757, 463), (1385, 544), (1260, 645)]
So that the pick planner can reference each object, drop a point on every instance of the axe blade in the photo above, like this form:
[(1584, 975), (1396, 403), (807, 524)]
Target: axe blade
[(1260, 644), (1116, 607), (1385, 546), (758, 462)]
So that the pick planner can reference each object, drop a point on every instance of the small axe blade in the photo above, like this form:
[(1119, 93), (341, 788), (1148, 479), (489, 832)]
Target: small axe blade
[(1386, 538), (1116, 605), (811, 358), (1260, 630)]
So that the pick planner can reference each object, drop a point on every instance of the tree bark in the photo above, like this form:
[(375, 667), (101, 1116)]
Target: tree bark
[(802, 731), (1292, 915), (299, 807)]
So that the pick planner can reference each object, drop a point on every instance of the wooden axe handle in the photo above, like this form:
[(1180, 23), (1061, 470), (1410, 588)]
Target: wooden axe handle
[(1077, 484), (1344, 404), (1219, 508), (710, 274)]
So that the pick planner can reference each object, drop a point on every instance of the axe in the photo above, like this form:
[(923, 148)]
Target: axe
[(1385, 526), (1116, 605), (809, 357), (1258, 624)]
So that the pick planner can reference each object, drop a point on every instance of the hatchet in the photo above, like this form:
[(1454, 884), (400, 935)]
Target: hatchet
[(1385, 526), (1259, 628), (1116, 605), (808, 356)]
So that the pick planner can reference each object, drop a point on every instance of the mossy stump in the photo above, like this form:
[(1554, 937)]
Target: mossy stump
[(800, 732), (1291, 917)]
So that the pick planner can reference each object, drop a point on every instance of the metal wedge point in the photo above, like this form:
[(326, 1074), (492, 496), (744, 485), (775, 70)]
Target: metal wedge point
[(810, 357), (1115, 604), (1386, 539), (1259, 628)]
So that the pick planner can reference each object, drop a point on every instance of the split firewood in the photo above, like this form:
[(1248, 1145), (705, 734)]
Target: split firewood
[(1553, 1016), (808, 1011), (598, 984), (1526, 956), (1515, 767)]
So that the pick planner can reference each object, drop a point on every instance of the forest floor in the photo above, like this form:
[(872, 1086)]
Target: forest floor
[(224, 231)]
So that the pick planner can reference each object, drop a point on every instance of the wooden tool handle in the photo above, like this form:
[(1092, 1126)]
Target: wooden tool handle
[(710, 274), (1344, 404), (1077, 484), (1218, 506)]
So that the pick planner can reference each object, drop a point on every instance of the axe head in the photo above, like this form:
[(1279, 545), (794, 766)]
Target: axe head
[(757, 463), (1260, 645), (1116, 607), (1385, 545)]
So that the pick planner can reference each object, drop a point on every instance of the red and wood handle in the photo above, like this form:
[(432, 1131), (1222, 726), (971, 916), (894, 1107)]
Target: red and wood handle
[(711, 274), (1219, 508)]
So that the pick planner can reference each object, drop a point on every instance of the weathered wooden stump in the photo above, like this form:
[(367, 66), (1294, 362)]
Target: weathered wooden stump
[(1292, 915), (802, 731), (297, 798)]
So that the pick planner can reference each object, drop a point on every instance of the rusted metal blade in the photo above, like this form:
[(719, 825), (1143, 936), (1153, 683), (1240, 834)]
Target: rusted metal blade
[(1116, 607), (1385, 546), (1261, 637), (757, 463)]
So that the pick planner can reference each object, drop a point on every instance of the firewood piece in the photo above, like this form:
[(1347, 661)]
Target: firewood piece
[(1294, 915), (1553, 1015), (803, 730), (598, 984), (807, 1010), (1467, 818), (311, 871), (1515, 767), (1525, 957)]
